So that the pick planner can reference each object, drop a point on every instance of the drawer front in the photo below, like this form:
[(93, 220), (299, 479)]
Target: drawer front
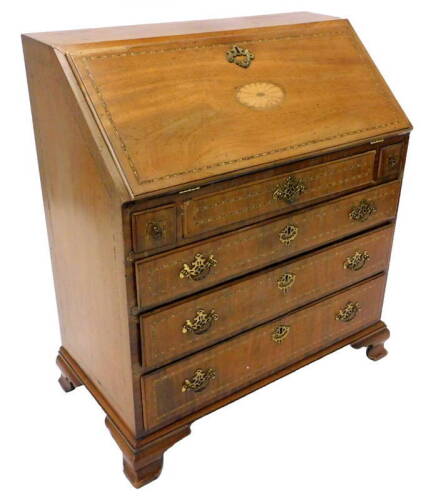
[(154, 228), (276, 194), (174, 331), (162, 278), (390, 161), (199, 380)]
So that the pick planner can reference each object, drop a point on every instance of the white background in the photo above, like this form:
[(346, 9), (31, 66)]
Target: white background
[(344, 427)]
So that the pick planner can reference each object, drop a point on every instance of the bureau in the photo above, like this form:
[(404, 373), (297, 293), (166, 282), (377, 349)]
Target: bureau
[(220, 200)]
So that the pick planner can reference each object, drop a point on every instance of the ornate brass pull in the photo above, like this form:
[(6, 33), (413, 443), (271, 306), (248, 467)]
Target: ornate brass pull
[(286, 281), (280, 333), (199, 381), (288, 234), (201, 323), (356, 261), (349, 312), (241, 57), (289, 190), (199, 268), (363, 211), (155, 230), (392, 162)]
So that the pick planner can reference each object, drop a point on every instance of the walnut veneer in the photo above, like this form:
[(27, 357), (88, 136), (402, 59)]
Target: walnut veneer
[(220, 200)]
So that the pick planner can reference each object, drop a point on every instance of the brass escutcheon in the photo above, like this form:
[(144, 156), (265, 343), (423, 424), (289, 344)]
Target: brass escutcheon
[(289, 190), (241, 57), (280, 333), (199, 268), (289, 233), (363, 211), (356, 261), (199, 381), (348, 313), (201, 323), (286, 281)]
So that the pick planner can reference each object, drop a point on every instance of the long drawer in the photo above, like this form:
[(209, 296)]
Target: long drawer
[(276, 193), (203, 378), (189, 325), (179, 273)]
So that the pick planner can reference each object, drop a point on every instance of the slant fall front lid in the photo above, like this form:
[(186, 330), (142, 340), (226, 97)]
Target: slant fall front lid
[(180, 109)]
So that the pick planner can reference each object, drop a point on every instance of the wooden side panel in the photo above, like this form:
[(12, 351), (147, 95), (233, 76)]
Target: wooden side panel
[(253, 355), (83, 212), (258, 298)]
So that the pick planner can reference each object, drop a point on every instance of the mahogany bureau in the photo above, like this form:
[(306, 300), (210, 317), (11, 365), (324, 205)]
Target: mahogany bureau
[(220, 200)]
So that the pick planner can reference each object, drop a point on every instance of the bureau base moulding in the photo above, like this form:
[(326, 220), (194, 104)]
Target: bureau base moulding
[(143, 458)]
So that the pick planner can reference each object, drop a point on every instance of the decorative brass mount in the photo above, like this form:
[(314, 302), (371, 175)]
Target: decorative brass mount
[(199, 381), (289, 233), (356, 261), (201, 323), (280, 333), (241, 57), (286, 281), (155, 230), (199, 268), (349, 312), (289, 190), (363, 211)]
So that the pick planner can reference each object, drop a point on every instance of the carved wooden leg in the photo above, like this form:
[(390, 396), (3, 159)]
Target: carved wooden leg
[(68, 379), (374, 344), (143, 463)]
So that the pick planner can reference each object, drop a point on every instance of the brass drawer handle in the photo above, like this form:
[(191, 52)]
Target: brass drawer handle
[(289, 190), (286, 281), (201, 323), (289, 233), (199, 268), (199, 381), (349, 312), (356, 261), (280, 333), (155, 230), (363, 211), (241, 57)]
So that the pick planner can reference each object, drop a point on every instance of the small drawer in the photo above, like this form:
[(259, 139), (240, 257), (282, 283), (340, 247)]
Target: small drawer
[(189, 325), (276, 194), (390, 161), (190, 384), (179, 273), (155, 228)]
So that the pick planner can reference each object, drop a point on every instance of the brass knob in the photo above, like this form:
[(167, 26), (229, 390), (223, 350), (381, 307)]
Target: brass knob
[(349, 312), (241, 57), (289, 233), (363, 211), (201, 323), (155, 230), (199, 381), (356, 261), (289, 190), (280, 333), (199, 268), (286, 281)]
